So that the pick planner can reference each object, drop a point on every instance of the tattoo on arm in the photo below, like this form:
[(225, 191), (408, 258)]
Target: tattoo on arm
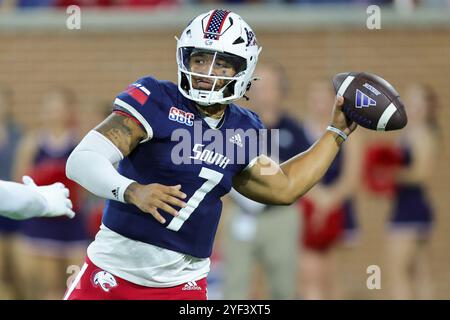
[(122, 131)]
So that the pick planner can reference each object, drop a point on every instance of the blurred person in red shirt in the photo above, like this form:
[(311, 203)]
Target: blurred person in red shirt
[(328, 208), (412, 214), (49, 246)]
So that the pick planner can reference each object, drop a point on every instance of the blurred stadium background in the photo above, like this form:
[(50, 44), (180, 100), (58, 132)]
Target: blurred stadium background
[(120, 41)]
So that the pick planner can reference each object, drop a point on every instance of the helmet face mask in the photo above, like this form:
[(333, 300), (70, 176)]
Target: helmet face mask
[(216, 64), (211, 73)]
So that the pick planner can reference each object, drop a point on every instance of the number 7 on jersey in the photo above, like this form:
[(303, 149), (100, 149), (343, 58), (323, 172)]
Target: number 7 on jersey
[(212, 179)]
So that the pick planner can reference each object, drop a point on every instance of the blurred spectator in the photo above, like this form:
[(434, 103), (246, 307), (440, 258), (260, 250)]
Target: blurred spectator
[(412, 216), (9, 139), (328, 208), (260, 233), (49, 246)]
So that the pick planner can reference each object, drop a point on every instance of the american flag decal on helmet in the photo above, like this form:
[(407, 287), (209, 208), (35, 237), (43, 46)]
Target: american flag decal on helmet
[(215, 24)]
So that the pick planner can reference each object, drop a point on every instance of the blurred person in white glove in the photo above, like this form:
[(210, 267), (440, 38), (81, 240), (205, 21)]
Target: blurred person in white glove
[(27, 200)]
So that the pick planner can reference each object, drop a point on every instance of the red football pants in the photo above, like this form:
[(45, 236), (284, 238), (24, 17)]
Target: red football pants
[(94, 283)]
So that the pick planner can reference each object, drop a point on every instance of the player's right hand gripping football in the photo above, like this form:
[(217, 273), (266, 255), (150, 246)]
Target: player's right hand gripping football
[(149, 198), (339, 120)]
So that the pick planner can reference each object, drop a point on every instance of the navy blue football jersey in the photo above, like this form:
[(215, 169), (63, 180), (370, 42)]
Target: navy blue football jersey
[(181, 148)]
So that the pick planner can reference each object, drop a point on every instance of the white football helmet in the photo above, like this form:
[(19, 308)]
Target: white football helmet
[(225, 36)]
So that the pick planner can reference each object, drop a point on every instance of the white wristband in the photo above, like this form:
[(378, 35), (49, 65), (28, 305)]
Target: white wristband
[(339, 132)]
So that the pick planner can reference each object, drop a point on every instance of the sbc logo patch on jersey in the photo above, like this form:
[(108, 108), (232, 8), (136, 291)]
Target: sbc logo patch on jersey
[(138, 92), (181, 116)]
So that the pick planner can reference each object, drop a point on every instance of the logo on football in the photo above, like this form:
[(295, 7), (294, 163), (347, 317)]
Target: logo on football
[(363, 101)]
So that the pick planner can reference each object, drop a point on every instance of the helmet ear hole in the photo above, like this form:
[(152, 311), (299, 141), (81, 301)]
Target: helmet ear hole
[(229, 90), (184, 82)]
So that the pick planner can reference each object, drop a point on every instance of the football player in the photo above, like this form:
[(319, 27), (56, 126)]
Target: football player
[(164, 201)]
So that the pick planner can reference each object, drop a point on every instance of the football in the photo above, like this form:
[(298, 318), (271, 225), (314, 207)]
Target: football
[(370, 101)]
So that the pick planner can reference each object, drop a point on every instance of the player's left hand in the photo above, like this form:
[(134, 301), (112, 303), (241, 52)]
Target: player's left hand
[(339, 120), (56, 197)]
